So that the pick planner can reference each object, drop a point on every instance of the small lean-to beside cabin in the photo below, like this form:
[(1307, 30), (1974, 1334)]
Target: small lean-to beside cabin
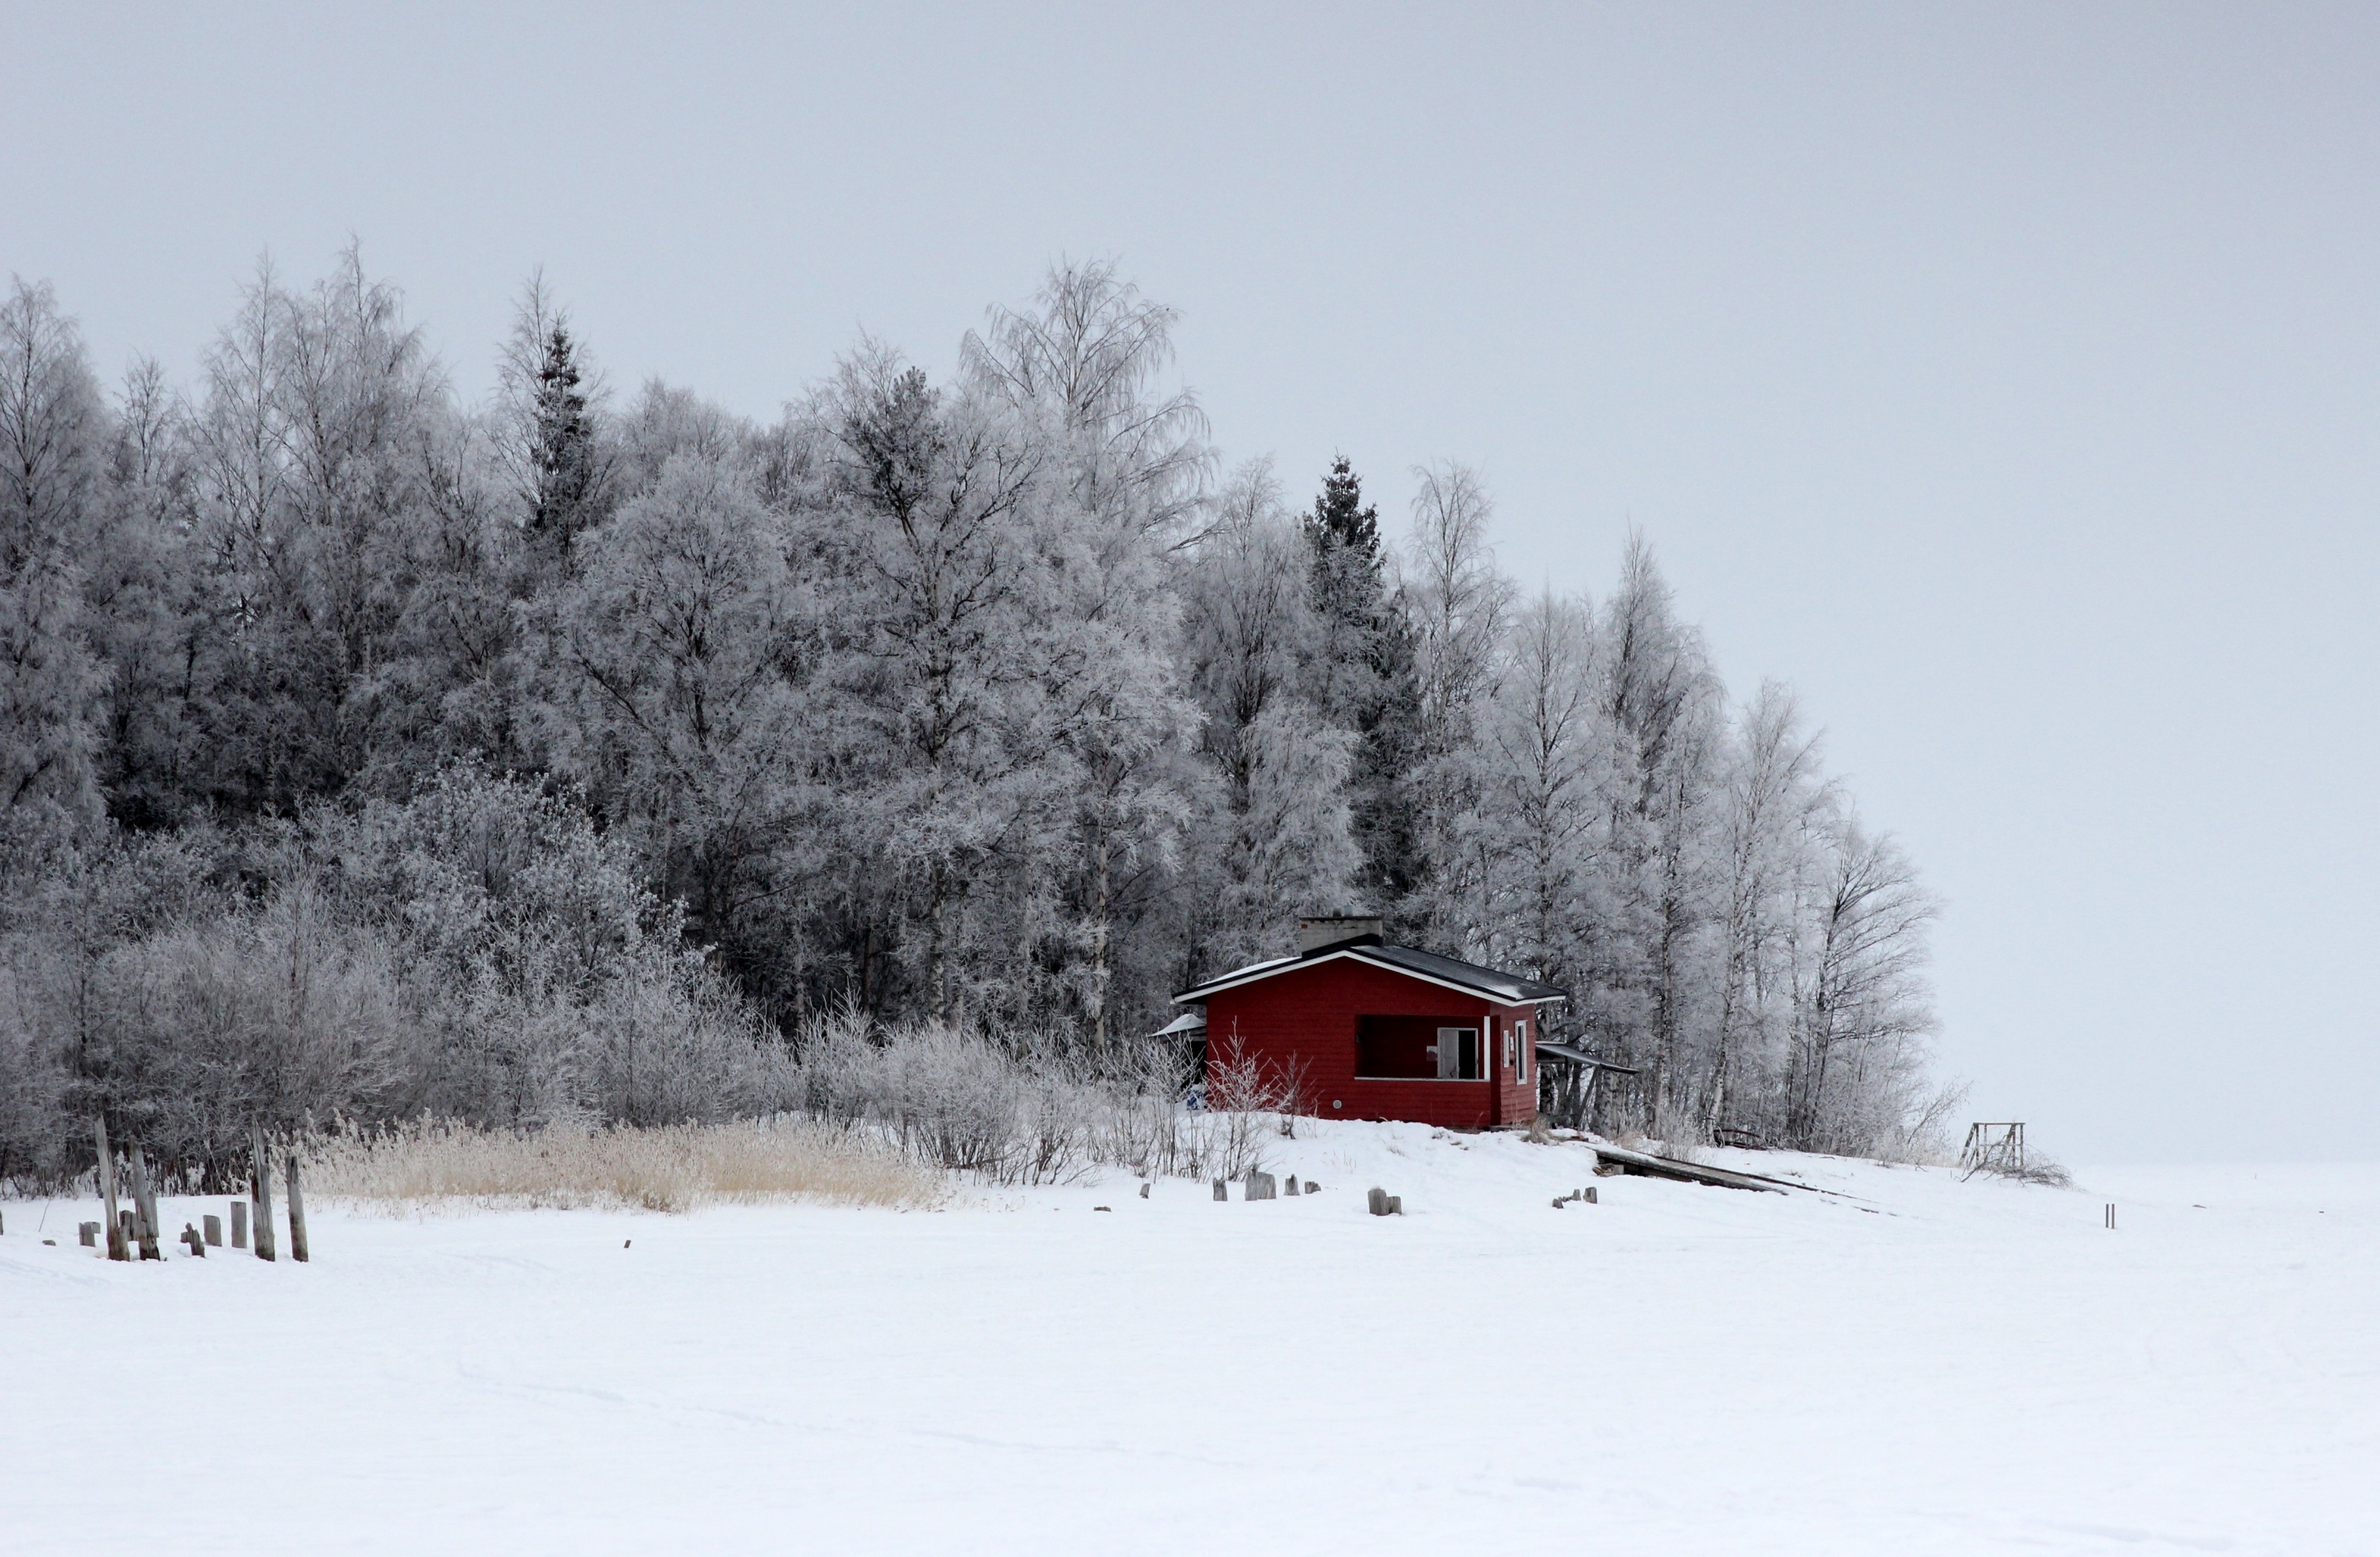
[(1374, 1032)]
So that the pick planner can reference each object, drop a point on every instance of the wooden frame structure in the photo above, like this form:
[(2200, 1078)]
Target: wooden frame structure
[(1994, 1147)]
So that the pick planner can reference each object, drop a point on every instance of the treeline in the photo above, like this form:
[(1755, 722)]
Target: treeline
[(365, 753)]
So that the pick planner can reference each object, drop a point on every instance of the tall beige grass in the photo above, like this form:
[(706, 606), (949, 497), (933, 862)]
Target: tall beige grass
[(425, 1165)]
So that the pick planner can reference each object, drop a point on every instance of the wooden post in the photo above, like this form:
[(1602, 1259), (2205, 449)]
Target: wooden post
[(296, 1211), (116, 1248), (213, 1225), (145, 1202), (239, 1224), (139, 1174), (261, 1190)]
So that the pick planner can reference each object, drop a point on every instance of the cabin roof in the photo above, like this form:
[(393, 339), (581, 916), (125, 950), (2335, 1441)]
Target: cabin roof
[(1509, 989)]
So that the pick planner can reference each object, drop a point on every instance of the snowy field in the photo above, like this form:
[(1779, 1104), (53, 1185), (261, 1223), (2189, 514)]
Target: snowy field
[(1932, 1368)]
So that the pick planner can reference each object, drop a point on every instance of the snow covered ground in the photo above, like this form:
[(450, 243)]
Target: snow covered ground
[(1932, 1367)]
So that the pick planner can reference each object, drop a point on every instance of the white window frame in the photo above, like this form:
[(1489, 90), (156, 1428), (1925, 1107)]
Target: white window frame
[(1450, 1054)]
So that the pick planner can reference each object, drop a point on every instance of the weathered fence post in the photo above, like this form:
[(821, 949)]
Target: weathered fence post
[(261, 1190), (239, 1224), (144, 1202), (296, 1211), (116, 1248), (213, 1225)]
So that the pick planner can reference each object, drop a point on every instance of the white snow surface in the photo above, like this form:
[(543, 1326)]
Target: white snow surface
[(1932, 1368)]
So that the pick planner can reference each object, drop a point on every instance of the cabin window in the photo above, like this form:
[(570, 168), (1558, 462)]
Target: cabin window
[(1520, 1042), (1416, 1049)]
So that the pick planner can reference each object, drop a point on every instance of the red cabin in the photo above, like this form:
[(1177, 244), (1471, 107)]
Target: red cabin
[(1374, 1032)]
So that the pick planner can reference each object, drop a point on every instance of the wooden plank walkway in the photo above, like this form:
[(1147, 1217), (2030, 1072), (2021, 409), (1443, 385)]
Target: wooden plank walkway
[(1644, 1163)]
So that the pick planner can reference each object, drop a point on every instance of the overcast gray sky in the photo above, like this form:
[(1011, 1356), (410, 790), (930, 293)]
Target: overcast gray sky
[(2004, 377)]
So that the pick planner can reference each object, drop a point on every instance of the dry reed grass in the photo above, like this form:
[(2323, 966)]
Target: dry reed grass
[(423, 1165)]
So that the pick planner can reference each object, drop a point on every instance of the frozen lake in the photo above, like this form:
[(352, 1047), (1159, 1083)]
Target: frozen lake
[(1932, 1368)]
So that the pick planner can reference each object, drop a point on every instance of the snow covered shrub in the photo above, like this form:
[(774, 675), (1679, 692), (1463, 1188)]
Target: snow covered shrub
[(1017, 1109), (953, 1096), (32, 1089), (272, 1017), (417, 1166), (671, 1049)]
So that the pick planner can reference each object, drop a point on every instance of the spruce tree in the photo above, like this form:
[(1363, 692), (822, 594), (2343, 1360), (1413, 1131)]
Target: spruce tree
[(1367, 675), (562, 454)]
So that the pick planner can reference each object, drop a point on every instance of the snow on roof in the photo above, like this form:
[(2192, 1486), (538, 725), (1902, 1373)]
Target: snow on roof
[(1510, 989), (1182, 1026)]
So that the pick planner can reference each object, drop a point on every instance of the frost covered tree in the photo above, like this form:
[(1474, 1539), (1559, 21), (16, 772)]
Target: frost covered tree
[(52, 432), (1775, 801), (1545, 757), (1281, 841), (944, 613), (676, 670), (552, 447), (1458, 605), (314, 468), (552, 761), (1854, 1075), (1086, 364)]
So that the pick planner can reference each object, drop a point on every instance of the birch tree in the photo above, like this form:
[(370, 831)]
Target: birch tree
[(1458, 607), (946, 591), (1864, 1005), (1546, 754), (678, 670), (1774, 801), (1087, 362), (52, 428)]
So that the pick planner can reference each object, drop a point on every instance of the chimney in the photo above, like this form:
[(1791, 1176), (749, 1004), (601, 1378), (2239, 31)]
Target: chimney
[(1318, 932)]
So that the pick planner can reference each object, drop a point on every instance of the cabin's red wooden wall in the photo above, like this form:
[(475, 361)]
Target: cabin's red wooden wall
[(1310, 1014)]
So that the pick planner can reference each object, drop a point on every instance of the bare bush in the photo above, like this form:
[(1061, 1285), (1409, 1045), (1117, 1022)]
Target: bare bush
[(416, 1167), (1013, 1109), (2034, 1168)]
